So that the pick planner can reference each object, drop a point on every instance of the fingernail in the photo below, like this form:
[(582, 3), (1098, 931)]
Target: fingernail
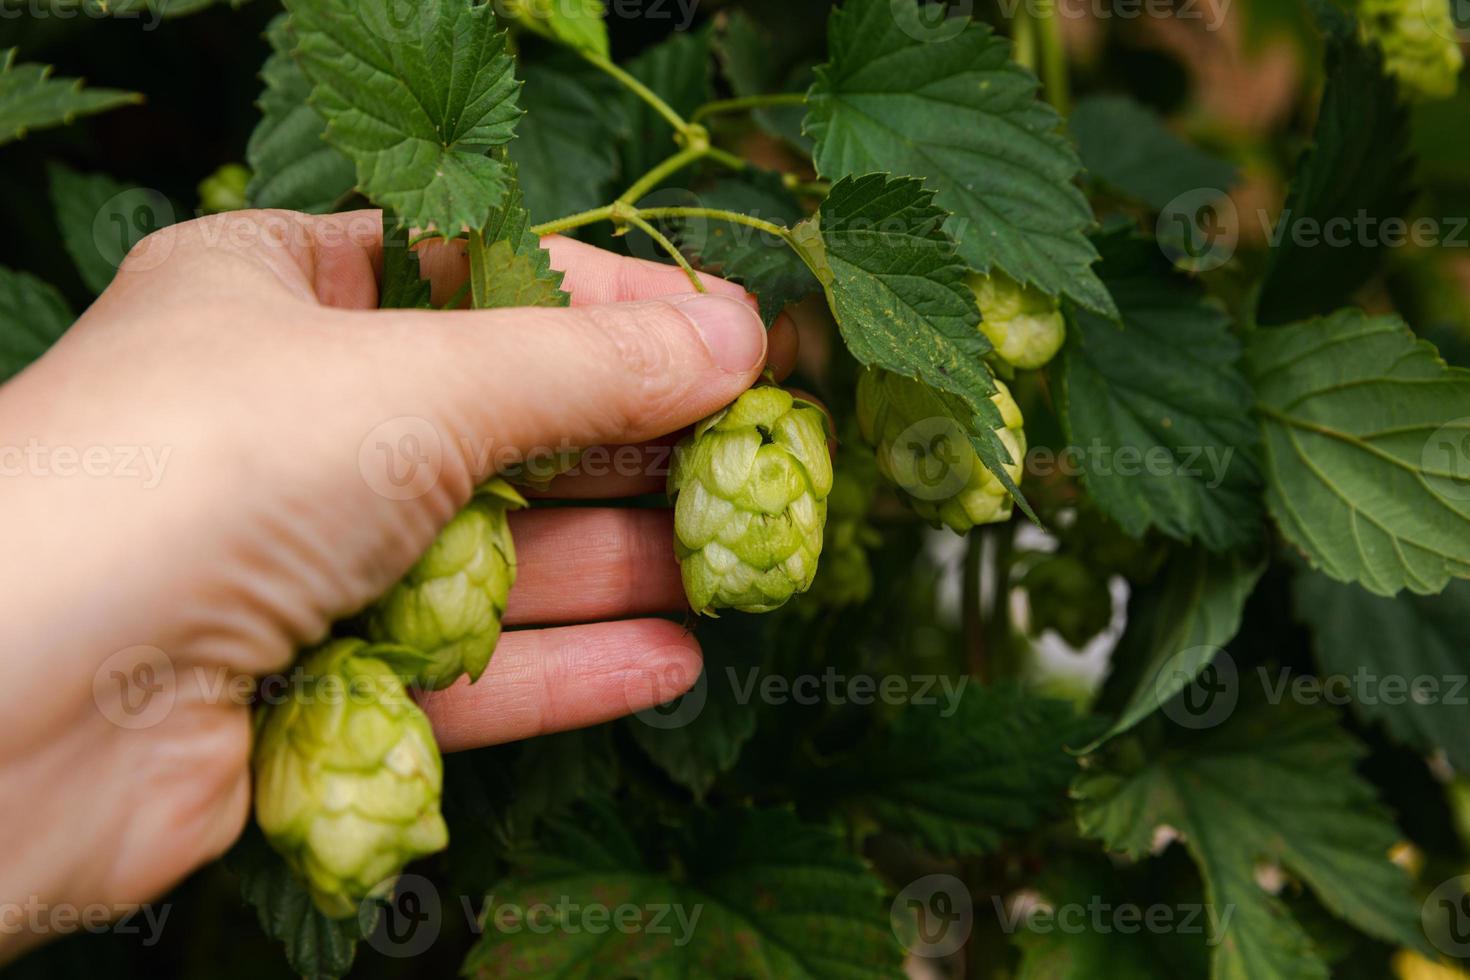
[(732, 331)]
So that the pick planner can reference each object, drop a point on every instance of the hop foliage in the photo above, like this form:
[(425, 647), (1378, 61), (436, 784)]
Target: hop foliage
[(450, 604), (845, 576), (347, 776), (923, 450), (750, 489), (1419, 43)]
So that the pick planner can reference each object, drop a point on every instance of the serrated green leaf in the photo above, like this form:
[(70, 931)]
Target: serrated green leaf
[(316, 946), (508, 266), (955, 110), (1175, 627), (566, 146), (575, 23), (761, 262), (755, 63), (678, 71), (32, 316), (292, 165), (414, 94), (555, 771), (1157, 410), (77, 200), (1412, 653), (403, 286), (1126, 146), (1275, 783), (898, 291), (746, 893), (30, 98), (1365, 450), (1352, 179), (699, 736), (960, 775)]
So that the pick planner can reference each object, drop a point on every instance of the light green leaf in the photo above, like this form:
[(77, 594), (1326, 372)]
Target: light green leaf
[(773, 898), (1175, 627), (566, 145), (414, 94), (1275, 783), (316, 946), (1366, 450), (1353, 178), (960, 775), (78, 199), (30, 98), (508, 266), (293, 166), (1157, 409), (575, 23), (898, 291), (951, 107), (32, 316), (761, 262), (1414, 651), (1125, 145)]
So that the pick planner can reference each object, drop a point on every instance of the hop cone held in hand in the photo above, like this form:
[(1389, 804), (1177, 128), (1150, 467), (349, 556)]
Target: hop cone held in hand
[(750, 493), (449, 606), (1023, 324), (347, 777), (924, 451)]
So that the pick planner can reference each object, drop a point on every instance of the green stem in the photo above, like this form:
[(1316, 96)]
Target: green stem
[(1054, 75), (671, 248), (726, 159), (1023, 38), (716, 214), (639, 89), (747, 102), (478, 251), (690, 154), (573, 221)]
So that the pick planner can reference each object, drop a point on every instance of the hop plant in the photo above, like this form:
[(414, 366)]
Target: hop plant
[(1066, 596), (1418, 38), (224, 190), (347, 776), (845, 576), (923, 450), (450, 604), (1024, 325), (750, 489)]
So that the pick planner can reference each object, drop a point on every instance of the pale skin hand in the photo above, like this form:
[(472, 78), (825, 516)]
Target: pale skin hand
[(247, 348)]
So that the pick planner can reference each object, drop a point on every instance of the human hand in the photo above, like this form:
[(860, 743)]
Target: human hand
[(238, 366)]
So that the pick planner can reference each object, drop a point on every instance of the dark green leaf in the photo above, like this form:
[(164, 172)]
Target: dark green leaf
[(1366, 450), (292, 166), (1157, 410), (403, 284), (1406, 659), (678, 71), (31, 99), (79, 201), (1353, 179), (1126, 146), (753, 61), (32, 316), (950, 106), (566, 145), (414, 94)]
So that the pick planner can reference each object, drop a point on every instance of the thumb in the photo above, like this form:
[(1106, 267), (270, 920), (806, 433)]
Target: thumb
[(494, 387)]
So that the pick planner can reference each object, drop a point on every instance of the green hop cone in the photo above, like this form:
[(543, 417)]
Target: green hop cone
[(1419, 42), (845, 576), (923, 450), (449, 605), (1024, 325), (1066, 596), (347, 777), (224, 190), (750, 490)]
